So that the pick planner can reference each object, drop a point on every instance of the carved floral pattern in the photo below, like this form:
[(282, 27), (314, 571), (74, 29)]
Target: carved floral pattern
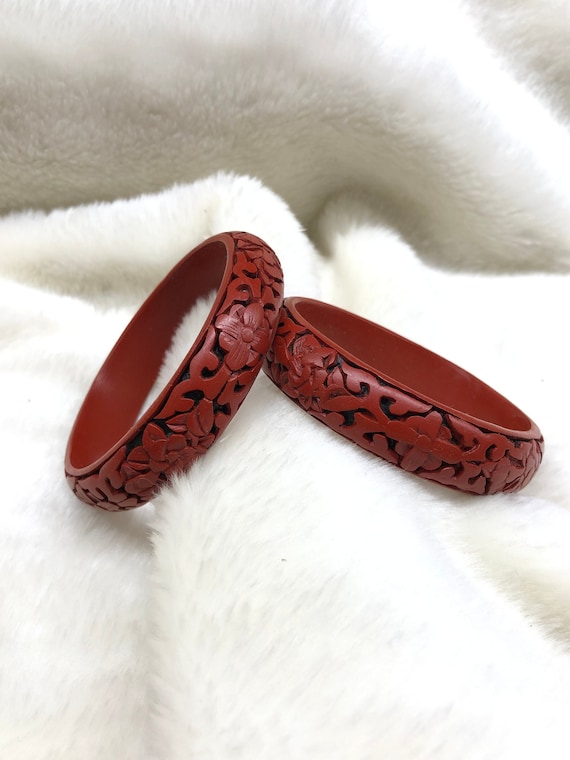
[(397, 426), (207, 391), (243, 334)]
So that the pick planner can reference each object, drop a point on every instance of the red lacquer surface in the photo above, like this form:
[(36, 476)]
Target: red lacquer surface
[(401, 401), (117, 460)]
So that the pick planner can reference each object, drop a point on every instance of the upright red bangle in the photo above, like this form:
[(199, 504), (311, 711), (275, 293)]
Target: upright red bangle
[(117, 460), (401, 401)]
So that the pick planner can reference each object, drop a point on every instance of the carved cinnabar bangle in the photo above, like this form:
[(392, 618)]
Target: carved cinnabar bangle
[(401, 401), (117, 460)]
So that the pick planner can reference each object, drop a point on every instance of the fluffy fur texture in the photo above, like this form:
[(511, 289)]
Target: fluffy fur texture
[(291, 596)]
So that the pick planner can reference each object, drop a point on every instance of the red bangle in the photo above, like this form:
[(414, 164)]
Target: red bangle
[(401, 401), (117, 460)]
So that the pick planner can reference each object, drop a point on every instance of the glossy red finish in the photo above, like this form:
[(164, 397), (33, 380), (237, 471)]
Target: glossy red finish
[(401, 401), (117, 460)]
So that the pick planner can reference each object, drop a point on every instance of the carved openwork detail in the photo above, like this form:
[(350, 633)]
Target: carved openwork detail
[(405, 430), (207, 391)]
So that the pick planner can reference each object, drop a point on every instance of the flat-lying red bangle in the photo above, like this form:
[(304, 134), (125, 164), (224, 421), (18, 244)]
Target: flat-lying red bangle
[(117, 460), (401, 401)]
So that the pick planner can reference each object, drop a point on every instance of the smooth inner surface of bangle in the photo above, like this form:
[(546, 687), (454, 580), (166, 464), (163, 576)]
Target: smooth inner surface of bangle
[(407, 364), (114, 400)]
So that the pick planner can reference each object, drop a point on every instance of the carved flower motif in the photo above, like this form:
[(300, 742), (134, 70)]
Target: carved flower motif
[(423, 442), (159, 453), (244, 335), (308, 363)]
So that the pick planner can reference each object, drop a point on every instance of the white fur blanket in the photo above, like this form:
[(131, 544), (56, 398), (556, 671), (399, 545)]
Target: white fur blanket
[(291, 597)]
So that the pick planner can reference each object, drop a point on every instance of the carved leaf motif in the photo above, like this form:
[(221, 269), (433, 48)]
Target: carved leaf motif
[(201, 421), (179, 401)]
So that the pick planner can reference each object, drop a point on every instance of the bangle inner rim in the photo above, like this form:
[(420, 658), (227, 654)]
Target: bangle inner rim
[(409, 365), (113, 402)]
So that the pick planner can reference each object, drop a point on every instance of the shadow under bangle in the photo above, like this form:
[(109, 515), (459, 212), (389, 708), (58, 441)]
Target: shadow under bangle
[(400, 401), (117, 460)]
